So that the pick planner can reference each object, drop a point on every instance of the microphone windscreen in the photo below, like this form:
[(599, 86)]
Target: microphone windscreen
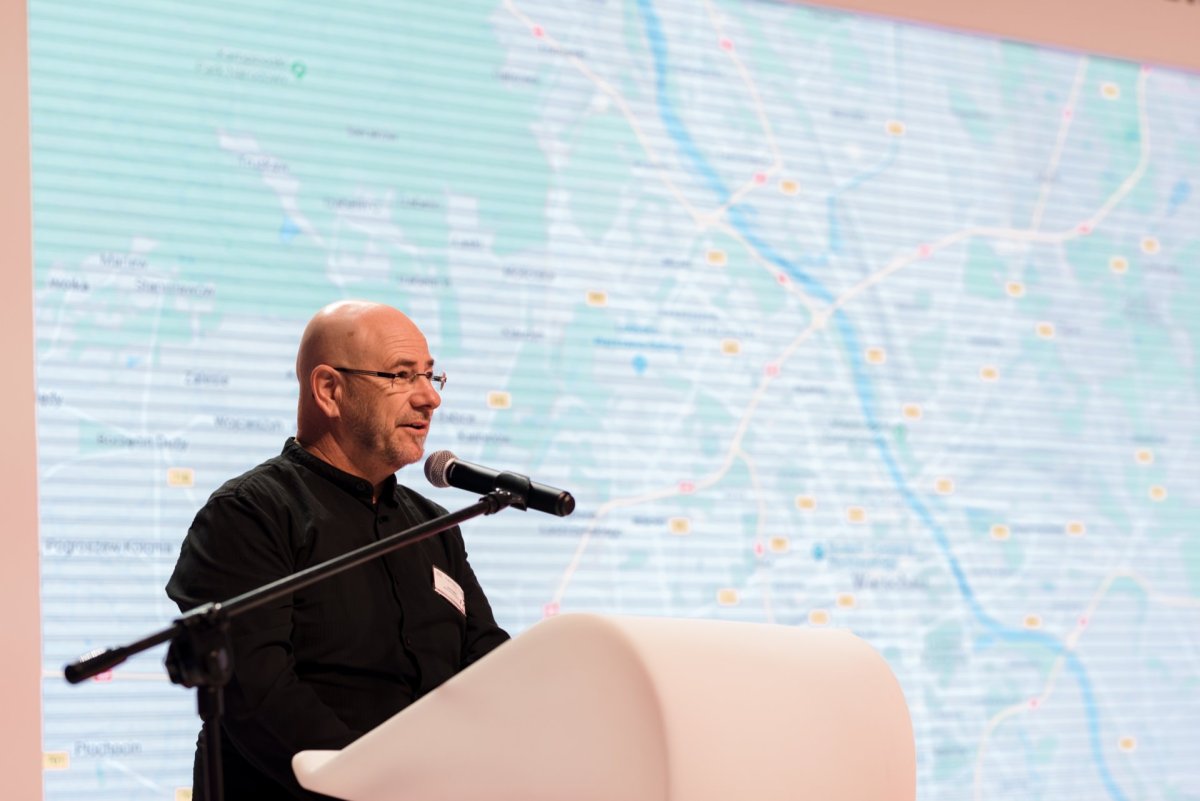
[(436, 467)]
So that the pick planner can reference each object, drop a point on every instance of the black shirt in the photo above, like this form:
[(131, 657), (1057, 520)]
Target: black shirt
[(330, 662)]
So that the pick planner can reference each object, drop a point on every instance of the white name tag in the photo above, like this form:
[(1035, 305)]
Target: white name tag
[(448, 588)]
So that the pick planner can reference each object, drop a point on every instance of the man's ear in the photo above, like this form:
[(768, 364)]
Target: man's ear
[(325, 384)]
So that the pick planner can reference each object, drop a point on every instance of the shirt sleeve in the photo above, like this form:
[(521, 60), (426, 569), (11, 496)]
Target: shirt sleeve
[(235, 544), (482, 634)]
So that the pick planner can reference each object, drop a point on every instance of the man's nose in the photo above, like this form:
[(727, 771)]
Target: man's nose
[(425, 395)]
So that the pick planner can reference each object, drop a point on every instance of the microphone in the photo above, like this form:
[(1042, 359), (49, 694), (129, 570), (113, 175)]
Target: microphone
[(444, 469)]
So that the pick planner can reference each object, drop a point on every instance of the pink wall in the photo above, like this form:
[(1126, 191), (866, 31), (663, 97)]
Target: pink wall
[(1162, 32), (20, 665)]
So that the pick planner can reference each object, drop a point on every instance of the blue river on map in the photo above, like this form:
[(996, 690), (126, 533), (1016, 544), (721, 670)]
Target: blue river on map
[(740, 220)]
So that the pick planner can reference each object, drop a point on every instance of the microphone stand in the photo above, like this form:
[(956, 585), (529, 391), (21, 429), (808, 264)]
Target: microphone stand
[(200, 655)]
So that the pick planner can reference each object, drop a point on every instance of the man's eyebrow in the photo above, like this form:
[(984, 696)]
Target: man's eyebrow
[(411, 363)]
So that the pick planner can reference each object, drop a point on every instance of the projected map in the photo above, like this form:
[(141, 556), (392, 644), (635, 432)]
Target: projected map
[(825, 321)]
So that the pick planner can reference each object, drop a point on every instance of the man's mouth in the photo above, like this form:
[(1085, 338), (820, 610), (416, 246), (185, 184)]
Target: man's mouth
[(419, 425)]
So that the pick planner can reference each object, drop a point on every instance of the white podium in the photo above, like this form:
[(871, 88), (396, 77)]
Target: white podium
[(590, 708)]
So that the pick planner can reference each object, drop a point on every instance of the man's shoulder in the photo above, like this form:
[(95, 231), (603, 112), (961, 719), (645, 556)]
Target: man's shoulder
[(267, 477), (427, 508), (424, 510)]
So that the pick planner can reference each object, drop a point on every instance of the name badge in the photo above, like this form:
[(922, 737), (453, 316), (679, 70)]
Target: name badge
[(448, 588)]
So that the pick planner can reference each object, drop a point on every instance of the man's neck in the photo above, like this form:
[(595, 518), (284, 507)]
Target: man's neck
[(328, 450)]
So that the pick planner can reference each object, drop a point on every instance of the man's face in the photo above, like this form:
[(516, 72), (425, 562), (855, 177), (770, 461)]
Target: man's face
[(385, 422)]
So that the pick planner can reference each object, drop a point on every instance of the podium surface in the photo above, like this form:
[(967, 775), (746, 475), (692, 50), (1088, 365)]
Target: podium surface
[(592, 708)]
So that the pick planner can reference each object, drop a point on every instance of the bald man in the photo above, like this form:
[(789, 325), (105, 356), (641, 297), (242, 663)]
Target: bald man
[(324, 666)]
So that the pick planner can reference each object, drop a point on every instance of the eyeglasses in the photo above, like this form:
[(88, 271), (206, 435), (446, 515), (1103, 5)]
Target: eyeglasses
[(405, 378)]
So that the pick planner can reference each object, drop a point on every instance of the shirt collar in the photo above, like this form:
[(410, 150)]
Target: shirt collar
[(355, 485)]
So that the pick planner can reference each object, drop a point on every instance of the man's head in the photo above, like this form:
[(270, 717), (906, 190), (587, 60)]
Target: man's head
[(364, 424)]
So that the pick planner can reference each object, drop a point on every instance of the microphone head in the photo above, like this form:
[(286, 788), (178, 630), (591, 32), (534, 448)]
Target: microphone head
[(437, 466)]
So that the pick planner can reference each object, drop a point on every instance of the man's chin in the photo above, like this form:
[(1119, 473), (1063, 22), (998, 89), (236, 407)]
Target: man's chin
[(409, 453)]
